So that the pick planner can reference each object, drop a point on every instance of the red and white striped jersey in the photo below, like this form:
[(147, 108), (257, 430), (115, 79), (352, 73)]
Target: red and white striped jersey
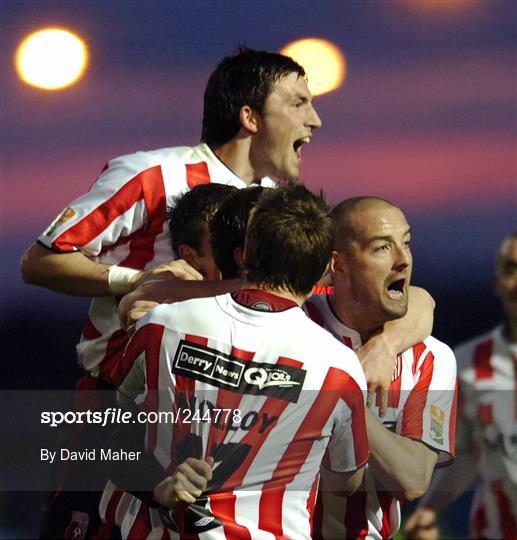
[(299, 395), (487, 372), (122, 220), (421, 406)]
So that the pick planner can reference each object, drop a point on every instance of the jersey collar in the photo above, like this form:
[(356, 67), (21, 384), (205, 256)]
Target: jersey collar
[(220, 170), (351, 337), (260, 300)]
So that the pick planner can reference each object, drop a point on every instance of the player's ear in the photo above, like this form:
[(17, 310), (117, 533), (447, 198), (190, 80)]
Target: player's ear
[(238, 257), (249, 119), (334, 264), (188, 254)]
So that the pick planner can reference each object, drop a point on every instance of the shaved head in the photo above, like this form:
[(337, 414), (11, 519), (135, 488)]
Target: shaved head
[(349, 216), (372, 262)]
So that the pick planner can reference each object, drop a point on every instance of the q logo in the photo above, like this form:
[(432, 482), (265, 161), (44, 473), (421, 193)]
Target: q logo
[(256, 376)]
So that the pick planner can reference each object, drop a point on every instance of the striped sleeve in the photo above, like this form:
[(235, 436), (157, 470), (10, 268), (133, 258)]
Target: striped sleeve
[(128, 197), (429, 414), (348, 446)]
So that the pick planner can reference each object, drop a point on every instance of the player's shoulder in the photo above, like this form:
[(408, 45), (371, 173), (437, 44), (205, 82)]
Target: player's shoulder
[(439, 348), (431, 350), (314, 326), (319, 340), (146, 159), (180, 313), (432, 358), (316, 308), (466, 350)]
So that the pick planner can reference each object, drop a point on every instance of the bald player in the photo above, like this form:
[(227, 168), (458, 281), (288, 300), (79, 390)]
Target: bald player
[(371, 273)]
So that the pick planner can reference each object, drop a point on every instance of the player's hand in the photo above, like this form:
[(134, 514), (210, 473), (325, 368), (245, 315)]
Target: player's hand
[(179, 269), (378, 361), (139, 309), (422, 525), (186, 484)]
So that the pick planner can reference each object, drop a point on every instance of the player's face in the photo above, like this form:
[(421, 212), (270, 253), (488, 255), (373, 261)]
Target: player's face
[(379, 264), (203, 261), (286, 123), (506, 277)]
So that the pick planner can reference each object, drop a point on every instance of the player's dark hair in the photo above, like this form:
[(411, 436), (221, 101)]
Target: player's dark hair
[(228, 228), (245, 78), (192, 212), (288, 240)]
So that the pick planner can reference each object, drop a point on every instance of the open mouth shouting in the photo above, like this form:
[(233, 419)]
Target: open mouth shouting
[(297, 146), (396, 290)]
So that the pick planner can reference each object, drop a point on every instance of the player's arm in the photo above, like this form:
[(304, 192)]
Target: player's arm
[(114, 209), (74, 273), (132, 308), (446, 486), (416, 325), (347, 452), (186, 484), (146, 479), (341, 484), (379, 353), (69, 273), (403, 465)]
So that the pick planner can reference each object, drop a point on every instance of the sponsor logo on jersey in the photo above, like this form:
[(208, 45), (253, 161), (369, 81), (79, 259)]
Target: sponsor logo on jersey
[(223, 370), (437, 419), (269, 376), (66, 214)]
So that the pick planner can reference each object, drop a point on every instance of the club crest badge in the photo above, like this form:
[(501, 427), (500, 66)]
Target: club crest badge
[(437, 420), (66, 214)]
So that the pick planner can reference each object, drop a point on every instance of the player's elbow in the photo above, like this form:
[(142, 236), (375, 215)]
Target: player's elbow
[(28, 266), (410, 495), (415, 488), (351, 485), (35, 265)]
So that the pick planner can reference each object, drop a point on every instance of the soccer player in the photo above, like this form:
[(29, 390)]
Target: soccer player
[(257, 115), (294, 395), (371, 271), (227, 230), (188, 222), (189, 219), (487, 427)]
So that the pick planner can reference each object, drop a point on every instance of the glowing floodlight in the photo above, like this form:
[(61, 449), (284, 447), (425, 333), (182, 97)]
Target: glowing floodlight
[(323, 62), (52, 59)]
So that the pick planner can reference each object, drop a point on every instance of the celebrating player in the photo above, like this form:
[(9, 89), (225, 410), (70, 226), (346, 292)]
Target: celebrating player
[(257, 115), (188, 221), (294, 393), (487, 428), (371, 272)]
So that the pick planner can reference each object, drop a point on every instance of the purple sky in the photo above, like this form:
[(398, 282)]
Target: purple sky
[(426, 117)]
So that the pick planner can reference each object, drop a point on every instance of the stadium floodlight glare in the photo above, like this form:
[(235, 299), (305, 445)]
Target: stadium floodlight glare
[(323, 62), (51, 59)]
